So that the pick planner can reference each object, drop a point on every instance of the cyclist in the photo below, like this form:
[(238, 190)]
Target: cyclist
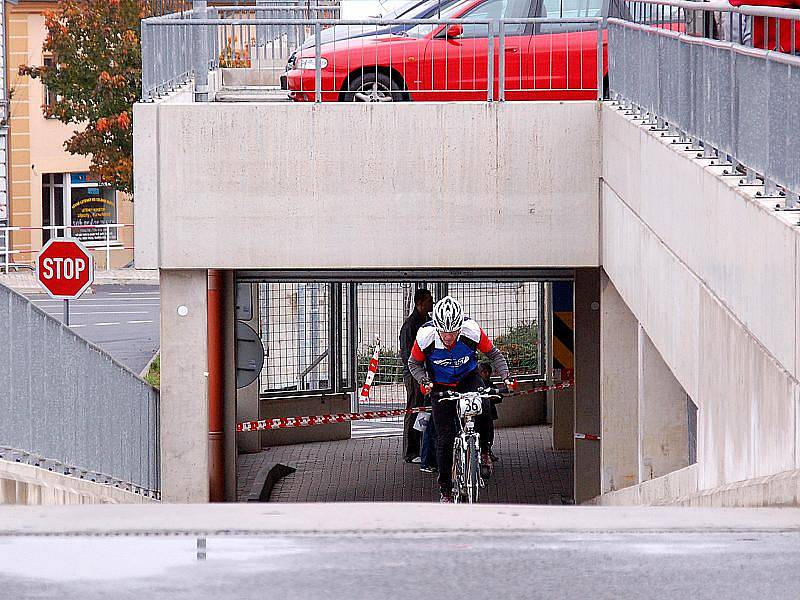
[(444, 357)]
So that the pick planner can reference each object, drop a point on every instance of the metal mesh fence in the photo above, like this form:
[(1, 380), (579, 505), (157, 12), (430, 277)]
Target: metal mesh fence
[(510, 314), (382, 308), (298, 325), (295, 325)]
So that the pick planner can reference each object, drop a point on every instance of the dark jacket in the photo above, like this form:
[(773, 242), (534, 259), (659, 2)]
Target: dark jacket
[(408, 334)]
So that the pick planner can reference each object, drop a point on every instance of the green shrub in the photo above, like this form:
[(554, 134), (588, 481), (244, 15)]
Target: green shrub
[(520, 346), (153, 376)]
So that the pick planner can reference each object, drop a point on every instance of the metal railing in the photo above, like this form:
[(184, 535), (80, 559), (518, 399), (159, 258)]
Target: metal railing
[(502, 59), (69, 407), (191, 43), (103, 240), (159, 8), (317, 335), (720, 77)]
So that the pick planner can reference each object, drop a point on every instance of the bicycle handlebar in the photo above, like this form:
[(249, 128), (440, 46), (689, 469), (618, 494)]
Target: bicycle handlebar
[(487, 393)]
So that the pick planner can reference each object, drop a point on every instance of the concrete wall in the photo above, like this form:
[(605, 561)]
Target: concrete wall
[(517, 411), (680, 488), (30, 485), (422, 185), (299, 406), (711, 273), (663, 418), (619, 390)]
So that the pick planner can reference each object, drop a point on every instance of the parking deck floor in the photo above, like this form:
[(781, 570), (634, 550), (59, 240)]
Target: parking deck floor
[(372, 470)]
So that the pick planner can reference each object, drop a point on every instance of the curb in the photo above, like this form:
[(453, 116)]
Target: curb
[(266, 479)]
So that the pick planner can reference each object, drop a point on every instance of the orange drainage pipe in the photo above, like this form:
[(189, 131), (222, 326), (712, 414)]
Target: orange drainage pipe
[(216, 359)]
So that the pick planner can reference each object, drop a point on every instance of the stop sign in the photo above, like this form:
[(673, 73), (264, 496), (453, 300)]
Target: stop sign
[(65, 268)]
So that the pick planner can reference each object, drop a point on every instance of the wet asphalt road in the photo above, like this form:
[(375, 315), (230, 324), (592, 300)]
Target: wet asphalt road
[(466, 565)]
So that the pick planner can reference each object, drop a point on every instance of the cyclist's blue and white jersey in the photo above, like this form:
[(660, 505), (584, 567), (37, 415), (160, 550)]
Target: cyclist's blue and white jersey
[(448, 367)]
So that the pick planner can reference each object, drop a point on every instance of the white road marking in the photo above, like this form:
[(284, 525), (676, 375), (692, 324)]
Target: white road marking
[(130, 312), (102, 324), (100, 305), (137, 322)]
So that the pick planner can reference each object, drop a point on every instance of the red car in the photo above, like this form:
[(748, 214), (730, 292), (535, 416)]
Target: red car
[(543, 61)]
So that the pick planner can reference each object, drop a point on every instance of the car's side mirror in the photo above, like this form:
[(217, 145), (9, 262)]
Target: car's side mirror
[(455, 30)]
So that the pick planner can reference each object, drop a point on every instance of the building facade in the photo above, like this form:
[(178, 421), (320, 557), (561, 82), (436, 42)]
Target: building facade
[(51, 190)]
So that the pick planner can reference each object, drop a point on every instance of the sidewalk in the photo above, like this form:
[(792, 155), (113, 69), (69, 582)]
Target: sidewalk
[(25, 282), (370, 469)]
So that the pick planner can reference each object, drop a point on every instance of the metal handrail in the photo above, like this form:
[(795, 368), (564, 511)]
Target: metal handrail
[(722, 6), (203, 60), (106, 245), (788, 59), (314, 364), (707, 107)]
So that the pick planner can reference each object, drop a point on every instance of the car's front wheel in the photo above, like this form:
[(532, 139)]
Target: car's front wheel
[(373, 87)]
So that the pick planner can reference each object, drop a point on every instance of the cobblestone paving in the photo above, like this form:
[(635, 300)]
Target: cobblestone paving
[(371, 469)]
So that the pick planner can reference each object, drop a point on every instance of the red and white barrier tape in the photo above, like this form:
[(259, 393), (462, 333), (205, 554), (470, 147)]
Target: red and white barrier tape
[(372, 369), (288, 422), (586, 436), (547, 388)]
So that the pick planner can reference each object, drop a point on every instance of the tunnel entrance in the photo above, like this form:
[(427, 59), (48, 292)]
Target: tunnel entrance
[(319, 333)]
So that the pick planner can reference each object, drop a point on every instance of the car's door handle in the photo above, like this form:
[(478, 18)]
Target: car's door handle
[(512, 49)]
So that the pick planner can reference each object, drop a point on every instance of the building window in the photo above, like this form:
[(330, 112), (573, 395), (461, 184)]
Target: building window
[(50, 99), (77, 206), (52, 206)]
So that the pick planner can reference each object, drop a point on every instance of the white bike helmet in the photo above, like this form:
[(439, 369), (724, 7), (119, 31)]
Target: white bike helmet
[(448, 314)]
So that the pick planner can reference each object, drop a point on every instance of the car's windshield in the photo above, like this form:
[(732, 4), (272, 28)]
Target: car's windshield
[(483, 11), (449, 9), (406, 11), (428, 9)]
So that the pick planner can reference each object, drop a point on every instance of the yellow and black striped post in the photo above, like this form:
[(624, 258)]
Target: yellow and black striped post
[(563, 342)]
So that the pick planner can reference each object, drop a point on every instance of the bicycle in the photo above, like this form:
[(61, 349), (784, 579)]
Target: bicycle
[(467, 478)]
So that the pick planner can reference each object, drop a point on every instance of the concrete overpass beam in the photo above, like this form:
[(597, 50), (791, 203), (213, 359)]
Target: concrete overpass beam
[(184, 386), (663, 417), (619, 390)]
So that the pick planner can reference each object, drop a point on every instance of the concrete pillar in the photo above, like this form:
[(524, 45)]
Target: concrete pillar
[(587, 382), (663, 419), (563, 419), (619, 390), (184, 386)]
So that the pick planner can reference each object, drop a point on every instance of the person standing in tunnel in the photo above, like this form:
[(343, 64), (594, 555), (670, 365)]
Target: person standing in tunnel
[(423, 304)]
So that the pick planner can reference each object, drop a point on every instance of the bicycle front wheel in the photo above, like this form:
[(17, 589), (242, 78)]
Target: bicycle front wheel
[(472, 470), (458, 471)]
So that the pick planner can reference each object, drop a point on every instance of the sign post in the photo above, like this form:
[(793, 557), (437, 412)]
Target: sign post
[(65, 269)]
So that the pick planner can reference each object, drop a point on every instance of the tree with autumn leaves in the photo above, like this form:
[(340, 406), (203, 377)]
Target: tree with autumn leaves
[(96, 77)]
